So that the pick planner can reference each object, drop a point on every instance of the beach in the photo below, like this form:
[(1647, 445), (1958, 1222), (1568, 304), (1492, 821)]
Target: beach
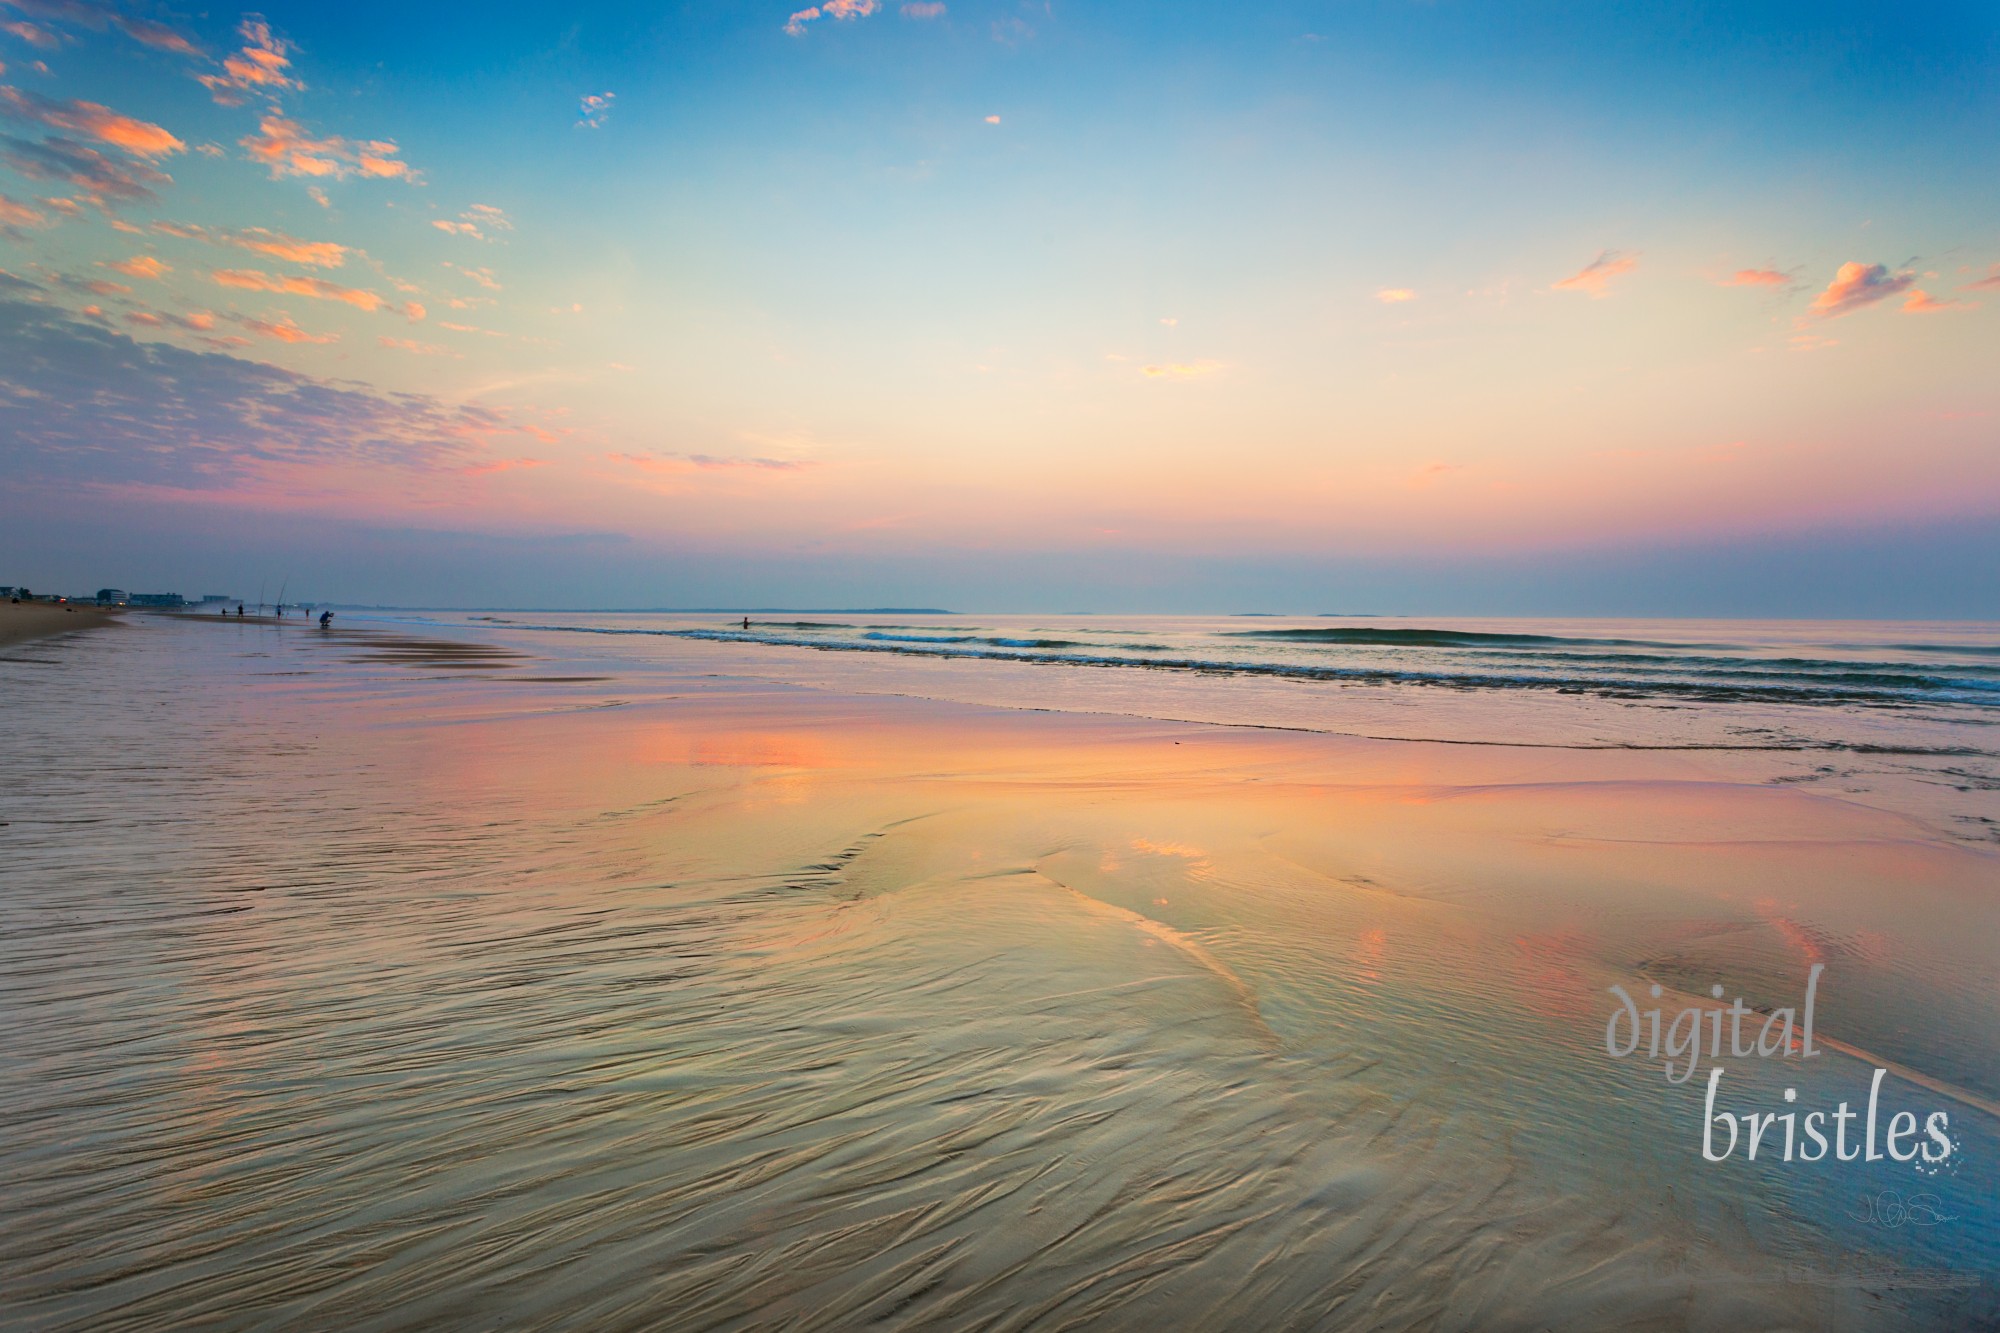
[(446, 971), (21, 622)]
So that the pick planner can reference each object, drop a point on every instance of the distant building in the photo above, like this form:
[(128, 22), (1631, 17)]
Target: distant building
[(156, 599), (211, 598), (111, 595)]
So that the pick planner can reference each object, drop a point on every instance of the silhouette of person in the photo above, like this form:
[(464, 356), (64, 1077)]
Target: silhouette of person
[(325, 619)]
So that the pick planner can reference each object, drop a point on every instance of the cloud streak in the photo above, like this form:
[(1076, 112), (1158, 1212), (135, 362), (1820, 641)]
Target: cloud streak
[(1757, 277), (287, 284), (262, 241), (1594, 279), (91, 120)]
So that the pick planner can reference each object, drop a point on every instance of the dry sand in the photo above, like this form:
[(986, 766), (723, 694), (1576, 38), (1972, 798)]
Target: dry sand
[(22, 621)]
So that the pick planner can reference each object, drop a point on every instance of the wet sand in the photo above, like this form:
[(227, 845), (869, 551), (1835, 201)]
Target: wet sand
[(348, 987)]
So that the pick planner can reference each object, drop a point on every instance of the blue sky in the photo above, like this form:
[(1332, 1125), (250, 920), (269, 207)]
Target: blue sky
[(983, 304)]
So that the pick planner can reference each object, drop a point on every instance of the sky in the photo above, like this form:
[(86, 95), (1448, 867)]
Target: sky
[(1418, 306)]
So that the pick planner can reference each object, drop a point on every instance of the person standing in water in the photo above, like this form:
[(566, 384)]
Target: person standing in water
[(746, 622)]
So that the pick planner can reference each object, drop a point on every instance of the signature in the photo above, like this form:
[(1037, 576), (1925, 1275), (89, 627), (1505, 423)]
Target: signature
[(1891, 1209)]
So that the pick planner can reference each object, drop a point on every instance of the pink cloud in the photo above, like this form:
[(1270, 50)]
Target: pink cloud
[(923, 9), (14, 214), (282, 329), (1991, 282), (255, 280), (1921, 302), (141, 266), (1857, 285), (483, 276), (262, 241), (137, 137), (1757, 277), (593, 109), (480, 222), (1395, 295), (1594, 278), (412, 345), (32, 35), (260, 67), (284, 146)]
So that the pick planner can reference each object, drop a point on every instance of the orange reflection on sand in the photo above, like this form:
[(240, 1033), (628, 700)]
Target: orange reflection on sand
[(735, 749), (1371, 946)]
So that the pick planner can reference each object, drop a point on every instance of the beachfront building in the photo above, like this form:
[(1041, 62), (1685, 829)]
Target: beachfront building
[(111, 596), (157, 599)]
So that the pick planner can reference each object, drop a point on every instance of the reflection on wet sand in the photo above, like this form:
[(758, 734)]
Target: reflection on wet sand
[(343, 992)]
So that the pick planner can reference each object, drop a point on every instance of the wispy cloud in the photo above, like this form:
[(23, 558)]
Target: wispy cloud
[(141, 266), (504, 465), (481, 222), (261, 67), (1856, 286), (263, 241), (159, 36), (593, 109), (97, 17), (1921, 302), (1395, 295), (255, 280), (832, 9), (286, 149), (1180, 371), (14, 215), (412, 345), (1756, 277), (281, 328), (1991, 282), (81, 402), (104, 182), (1594, 278), (93, 286), (92, 120), (40, 38), (709, 463), (923, 9), (483, 276)]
